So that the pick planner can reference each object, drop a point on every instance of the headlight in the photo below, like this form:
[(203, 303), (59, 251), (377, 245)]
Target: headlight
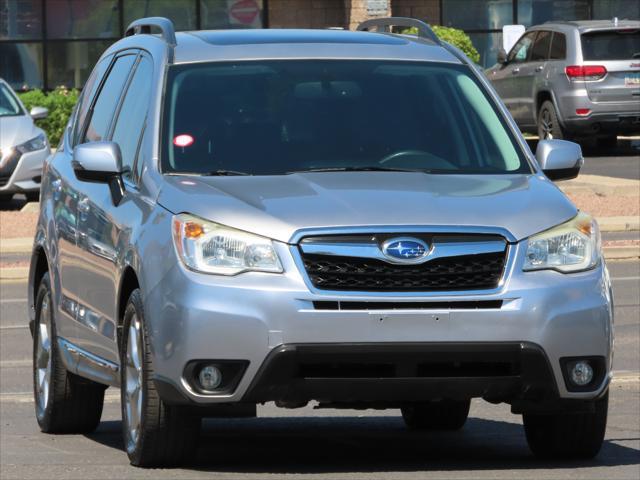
[(37, 143), (570, 247), (211, 248)]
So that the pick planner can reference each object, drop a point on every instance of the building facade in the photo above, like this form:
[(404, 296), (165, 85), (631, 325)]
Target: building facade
[(50, 43)]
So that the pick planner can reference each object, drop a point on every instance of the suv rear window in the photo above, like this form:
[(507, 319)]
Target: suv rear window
[(275, 117), (611, 45)]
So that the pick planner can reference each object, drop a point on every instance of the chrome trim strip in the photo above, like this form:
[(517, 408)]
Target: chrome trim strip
[(401, 229), (373, 251), (87, 364)]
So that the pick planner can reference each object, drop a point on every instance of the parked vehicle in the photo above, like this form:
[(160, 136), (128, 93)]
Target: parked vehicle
[(577, 80), (23, 146), (353, 218)]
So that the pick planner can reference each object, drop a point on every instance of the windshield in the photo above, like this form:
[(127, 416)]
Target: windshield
[(278, 117), (9, 105), (611, 45)]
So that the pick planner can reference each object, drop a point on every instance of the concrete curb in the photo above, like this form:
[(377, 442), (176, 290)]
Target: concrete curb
[(14, 274), (632, 252), (619, 224), (16, 245)]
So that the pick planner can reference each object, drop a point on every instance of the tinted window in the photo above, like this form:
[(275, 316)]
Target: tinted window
[(541, 47), (133, 112), (520, 51), (88, 93), (107, 99), (274, 117), (9, 106), (611, 45), (558, 47)]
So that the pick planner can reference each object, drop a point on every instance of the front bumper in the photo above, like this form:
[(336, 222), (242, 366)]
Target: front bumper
[(545, 316), (22, 172)]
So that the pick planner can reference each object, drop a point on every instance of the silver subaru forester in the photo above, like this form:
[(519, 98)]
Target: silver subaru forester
[(349, 218)]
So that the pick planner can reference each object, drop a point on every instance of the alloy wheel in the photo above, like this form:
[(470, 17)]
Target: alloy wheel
[(43, 359), (547, 125), (133, 383)]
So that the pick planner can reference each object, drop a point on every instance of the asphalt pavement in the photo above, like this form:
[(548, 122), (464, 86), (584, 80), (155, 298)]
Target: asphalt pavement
[(326, 443)]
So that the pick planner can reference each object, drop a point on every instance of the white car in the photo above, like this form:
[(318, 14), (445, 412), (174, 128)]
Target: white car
[(23, 146)]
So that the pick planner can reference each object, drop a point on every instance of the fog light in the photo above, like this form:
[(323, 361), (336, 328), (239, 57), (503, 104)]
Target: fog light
[(581, 373), (210, 377)]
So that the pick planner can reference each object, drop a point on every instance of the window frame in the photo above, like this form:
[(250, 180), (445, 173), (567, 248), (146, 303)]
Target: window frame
[(553, 39), (132, 178), (90, 112), (512, 59), (74, 133), (535, 42)]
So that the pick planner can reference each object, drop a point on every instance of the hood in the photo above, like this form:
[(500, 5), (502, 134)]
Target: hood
[(278, 206), (16, 130)]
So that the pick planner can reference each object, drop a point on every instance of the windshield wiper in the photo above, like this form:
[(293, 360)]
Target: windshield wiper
[(214, 173), (358, 169), (224, 173)]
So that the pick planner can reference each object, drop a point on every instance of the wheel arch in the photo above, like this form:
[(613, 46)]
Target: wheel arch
[(38, 267), (129, 281)]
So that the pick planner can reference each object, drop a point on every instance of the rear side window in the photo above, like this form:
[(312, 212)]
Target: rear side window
[(611, 45), (133, 113), (541, 47), (108, 99), (88, 92), (558, 47)]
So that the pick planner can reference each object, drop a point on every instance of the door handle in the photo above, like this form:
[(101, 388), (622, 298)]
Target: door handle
[(539, 68), (515, 71)]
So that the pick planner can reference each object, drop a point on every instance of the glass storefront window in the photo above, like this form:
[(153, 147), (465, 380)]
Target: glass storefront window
[(231, 14), (487, 45), (477, 14), (21, 65), (535, 12), (607, 9), (70, 63), (20, 19), (82, 19), (181, 12)]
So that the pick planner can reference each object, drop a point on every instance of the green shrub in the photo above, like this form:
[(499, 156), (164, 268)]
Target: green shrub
[(455, 37), (60, 103)]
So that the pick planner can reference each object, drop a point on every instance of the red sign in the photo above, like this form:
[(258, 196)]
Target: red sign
[(244, 11)]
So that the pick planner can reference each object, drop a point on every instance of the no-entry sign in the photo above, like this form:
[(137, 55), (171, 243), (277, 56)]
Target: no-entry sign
[(244, 11)]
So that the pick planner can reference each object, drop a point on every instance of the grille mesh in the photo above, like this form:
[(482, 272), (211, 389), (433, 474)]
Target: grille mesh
[(469, 272)]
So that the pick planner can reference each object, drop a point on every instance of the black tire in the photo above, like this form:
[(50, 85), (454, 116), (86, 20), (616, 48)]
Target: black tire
[(610, 142), (167, 435), (548, 124), (440, 415), (73, 404), (568, 436), (33, 196)]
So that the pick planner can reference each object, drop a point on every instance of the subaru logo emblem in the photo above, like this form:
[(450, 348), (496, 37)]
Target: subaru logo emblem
[(405, 250)]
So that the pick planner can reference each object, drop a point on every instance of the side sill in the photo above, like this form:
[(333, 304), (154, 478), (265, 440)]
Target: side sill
[(88, 365)]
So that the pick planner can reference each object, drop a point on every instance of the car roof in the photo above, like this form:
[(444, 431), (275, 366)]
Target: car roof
[(587, 25), (256, 44)]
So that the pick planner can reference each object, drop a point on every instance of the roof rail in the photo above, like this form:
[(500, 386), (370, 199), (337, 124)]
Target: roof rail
[(385, 24), (143, 25)]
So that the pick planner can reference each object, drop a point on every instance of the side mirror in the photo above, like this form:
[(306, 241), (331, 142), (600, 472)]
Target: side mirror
[(559, 159), (38, 113), (100, 162), (502, 56)]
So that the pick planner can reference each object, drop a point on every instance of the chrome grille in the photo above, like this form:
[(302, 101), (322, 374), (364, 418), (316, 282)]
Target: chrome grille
[(477, 263)]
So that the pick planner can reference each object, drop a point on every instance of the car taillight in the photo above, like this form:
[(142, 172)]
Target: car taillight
[(585, 72)]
